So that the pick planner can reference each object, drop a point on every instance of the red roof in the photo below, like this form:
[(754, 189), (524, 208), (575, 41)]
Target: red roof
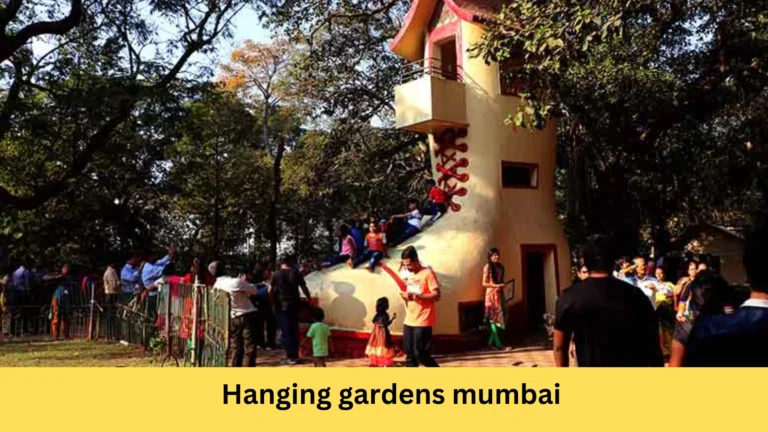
[(420, 12), (481, 8)]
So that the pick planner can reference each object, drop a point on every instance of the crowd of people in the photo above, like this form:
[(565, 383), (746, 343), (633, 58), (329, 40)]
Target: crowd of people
[(357, 248), (285, 288), (28, 284), (262, 300), (614, 314), (618, 312)]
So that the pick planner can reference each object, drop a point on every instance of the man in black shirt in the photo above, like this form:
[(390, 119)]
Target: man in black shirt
[(286, 298), (612, 322)]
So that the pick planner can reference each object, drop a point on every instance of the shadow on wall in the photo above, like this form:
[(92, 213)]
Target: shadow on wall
[(447, 308), (447, 283), (350, 311)]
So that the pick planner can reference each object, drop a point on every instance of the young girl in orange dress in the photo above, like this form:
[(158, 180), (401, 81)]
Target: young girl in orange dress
[(380, 351)]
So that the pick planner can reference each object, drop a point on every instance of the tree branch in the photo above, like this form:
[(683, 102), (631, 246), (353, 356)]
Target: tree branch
[(10, 44), (102, 137), (39, 87), (134, 57), (351, 16), (366, 14), (11, 98), (81, 161), (8, 13)]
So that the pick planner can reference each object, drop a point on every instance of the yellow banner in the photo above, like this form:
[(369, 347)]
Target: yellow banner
[(395, 399)]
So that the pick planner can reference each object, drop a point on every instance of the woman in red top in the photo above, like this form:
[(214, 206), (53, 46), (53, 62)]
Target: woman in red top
[(375, 245)]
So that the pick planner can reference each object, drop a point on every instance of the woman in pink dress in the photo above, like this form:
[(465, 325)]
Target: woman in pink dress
[(348, 249)]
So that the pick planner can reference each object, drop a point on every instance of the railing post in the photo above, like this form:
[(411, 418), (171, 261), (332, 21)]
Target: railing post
[(195, 323), (228, 314), (168, 338), (90, 317)]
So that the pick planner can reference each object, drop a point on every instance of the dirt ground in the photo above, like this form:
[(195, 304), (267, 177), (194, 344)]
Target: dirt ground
[(70, 353)]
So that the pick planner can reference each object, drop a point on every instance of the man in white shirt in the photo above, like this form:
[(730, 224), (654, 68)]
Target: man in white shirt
[(648, 284), (243, 322)]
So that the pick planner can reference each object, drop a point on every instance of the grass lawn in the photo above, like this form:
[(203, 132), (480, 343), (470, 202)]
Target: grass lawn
[(47, 353)]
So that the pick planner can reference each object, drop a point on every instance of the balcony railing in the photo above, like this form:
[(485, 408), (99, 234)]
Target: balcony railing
[(431, 67), (431, 97)]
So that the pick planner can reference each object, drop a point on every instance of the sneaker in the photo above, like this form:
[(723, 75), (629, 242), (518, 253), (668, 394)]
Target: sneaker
[(289, 362), (436, 217)]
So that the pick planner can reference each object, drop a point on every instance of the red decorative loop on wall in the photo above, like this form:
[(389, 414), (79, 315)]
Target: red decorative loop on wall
[(447, 151), (388, 270)]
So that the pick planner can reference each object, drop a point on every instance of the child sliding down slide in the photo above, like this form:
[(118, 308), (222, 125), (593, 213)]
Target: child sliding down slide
[(437, 201), (413, 222), (375, 242)]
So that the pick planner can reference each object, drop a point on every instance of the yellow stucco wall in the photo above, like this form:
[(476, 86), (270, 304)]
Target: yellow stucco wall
[(524, 216), (456, 246)]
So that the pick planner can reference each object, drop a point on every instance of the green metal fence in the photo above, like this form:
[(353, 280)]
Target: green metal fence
[(215, 325), (188, 325), (194, 321), (27, 314)]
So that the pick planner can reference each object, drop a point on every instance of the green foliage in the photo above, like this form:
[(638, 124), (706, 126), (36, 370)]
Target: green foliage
[(658, 106), (194, 166), (157, 346), (351, 171), (213, 177), (104, 70)]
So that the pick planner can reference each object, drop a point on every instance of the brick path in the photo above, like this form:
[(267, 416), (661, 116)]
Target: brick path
[(526, 354)]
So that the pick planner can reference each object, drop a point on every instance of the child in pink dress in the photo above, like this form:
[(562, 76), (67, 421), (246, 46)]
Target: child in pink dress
[(348, 249)]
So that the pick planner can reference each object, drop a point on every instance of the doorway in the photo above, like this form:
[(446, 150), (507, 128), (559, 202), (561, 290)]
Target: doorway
[(448, 62), (535, 296), (540, 280)]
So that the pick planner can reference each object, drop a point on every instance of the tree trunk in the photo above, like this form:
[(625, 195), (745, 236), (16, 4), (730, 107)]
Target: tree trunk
[(578, 181), (273, 205), (661, 240), (217, 203), (265, 124), (577, 187), (614, 214)]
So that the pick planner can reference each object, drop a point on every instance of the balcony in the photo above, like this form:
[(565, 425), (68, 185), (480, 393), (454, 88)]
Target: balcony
[(431, 98)]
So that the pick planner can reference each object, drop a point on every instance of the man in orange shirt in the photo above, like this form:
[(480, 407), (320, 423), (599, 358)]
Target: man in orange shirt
[(422, 293)]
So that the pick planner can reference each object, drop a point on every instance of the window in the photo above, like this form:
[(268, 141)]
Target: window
[(517, 175)]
